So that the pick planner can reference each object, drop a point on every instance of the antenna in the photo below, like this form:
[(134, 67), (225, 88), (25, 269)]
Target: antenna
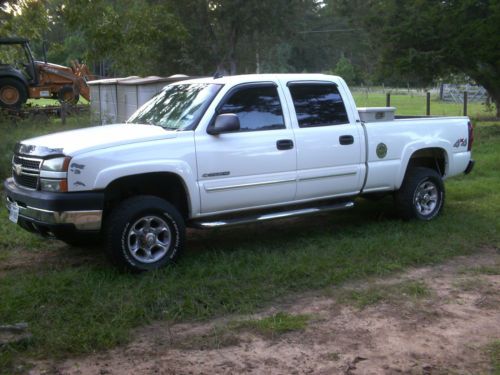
[(218, 74)]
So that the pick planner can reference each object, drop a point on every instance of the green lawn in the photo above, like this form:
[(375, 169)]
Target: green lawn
[(416, 105), (76, 303)]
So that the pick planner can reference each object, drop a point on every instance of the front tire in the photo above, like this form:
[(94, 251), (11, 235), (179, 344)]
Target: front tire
[(144, 233), (421, 195)]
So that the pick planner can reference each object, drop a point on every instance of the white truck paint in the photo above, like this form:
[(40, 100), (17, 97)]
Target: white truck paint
[(239, 172)]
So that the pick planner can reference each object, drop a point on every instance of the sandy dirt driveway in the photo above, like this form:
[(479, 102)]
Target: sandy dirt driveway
[(432, 320)]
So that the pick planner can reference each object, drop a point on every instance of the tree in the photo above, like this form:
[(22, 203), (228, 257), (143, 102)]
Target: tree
[(427, 39), (345, 69), (138, 37)]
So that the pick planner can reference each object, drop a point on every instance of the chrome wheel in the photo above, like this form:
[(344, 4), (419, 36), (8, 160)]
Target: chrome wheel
[(149, 239), (426, 198)]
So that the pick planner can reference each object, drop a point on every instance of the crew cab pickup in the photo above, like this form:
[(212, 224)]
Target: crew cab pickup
[(212, 152)]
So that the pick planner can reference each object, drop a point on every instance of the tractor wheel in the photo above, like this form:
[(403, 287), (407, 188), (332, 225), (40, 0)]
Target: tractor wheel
[(13, 93), (66, 95)]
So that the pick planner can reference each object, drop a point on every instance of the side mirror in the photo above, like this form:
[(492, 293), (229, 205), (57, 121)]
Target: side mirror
[(225, 123)]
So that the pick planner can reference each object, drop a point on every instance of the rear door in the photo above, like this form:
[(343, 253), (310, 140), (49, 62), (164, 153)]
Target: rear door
[(255, 166), (329, 144)]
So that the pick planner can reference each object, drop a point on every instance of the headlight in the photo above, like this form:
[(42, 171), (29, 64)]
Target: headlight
[(53, 174), (56, 164)]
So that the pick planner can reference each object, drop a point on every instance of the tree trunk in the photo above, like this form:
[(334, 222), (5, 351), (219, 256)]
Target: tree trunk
[(490, 83)]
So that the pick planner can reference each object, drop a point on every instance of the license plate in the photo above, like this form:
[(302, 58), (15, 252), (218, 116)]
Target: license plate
[(14, 212)]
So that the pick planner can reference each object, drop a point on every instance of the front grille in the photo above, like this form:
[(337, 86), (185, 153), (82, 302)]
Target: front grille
[(26, 171), (28, 163), (28, 181)]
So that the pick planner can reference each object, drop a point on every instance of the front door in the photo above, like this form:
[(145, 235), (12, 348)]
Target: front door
[(255, 166)]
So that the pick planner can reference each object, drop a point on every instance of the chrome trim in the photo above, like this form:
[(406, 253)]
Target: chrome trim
[(251, 184), (327, 176), (28, 169), (30, 159), (51, 174), (19, 170), (82, 220), (28, 174), (271, 216)]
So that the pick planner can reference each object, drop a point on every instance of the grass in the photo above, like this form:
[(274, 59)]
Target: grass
[(416, 105), (44, 102), (362, 298), (274, 325), (494, 353), (88, 307)]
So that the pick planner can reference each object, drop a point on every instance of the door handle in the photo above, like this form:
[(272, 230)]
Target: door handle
[(346, 139), (284, 144)]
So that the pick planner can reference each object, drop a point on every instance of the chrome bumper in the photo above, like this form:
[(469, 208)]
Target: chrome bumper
[(82, 220)]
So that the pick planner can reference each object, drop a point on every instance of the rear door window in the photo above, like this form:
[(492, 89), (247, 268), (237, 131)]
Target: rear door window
[(318, 104)]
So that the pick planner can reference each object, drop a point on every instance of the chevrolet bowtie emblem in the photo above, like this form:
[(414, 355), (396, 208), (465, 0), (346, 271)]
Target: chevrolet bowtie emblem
[(18, 168)]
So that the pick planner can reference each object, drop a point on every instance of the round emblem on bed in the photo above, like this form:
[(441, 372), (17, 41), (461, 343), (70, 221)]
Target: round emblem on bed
[(381, 150)]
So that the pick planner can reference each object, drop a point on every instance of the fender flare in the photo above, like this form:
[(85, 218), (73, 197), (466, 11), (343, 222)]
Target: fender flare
[(10, 73), (411, 148), (179, 168)]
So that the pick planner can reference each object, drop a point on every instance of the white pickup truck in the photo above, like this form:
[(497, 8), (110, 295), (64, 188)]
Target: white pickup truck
[(212, 152)]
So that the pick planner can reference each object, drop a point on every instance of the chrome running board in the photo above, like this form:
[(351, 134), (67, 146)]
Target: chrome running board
[(270, 216)]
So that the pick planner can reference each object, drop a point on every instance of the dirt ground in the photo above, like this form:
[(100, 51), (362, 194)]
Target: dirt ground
[(446, 331)]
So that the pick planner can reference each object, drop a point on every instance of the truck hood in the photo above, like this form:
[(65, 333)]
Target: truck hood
[(88, 139)]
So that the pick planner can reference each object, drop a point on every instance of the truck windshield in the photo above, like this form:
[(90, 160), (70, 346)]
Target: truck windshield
[(177, 107)]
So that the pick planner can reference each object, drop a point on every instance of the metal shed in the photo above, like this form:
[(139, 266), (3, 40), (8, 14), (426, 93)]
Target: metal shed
[(115, 100), (104, 100)]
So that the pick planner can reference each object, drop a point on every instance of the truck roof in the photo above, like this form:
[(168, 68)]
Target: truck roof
[(245, 78)]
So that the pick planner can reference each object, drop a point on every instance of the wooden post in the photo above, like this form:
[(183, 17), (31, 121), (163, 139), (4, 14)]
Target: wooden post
[(465, 103), (64, 110), (388, 99), (428, 106)]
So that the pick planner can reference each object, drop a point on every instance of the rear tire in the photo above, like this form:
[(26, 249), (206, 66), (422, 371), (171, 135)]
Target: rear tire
[(144, 233), (421, 195), (13, 93), (66, 95)]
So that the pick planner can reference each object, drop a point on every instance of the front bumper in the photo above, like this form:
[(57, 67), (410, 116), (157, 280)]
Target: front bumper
[(44, 211)]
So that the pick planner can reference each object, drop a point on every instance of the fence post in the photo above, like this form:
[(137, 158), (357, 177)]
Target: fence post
[(64, 112), (465, 103), (388, 99), (428, 106)]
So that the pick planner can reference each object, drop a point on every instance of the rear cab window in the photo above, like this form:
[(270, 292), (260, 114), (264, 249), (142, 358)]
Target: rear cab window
[(317, 104)]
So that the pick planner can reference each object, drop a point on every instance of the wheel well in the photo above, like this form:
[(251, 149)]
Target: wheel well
[(168, 186), (433, 158), (16, 78)]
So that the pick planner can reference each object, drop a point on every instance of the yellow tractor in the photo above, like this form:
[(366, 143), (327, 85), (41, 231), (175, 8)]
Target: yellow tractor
[(21, 77)]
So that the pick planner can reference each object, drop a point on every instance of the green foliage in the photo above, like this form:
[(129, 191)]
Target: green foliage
[(422, 40), (345, 69), (24, 18)]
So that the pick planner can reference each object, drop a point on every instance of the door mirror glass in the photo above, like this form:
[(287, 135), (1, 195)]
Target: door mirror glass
[(225, 123)]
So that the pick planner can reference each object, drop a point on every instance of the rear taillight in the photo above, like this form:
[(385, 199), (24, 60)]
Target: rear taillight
[(471, 136)]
